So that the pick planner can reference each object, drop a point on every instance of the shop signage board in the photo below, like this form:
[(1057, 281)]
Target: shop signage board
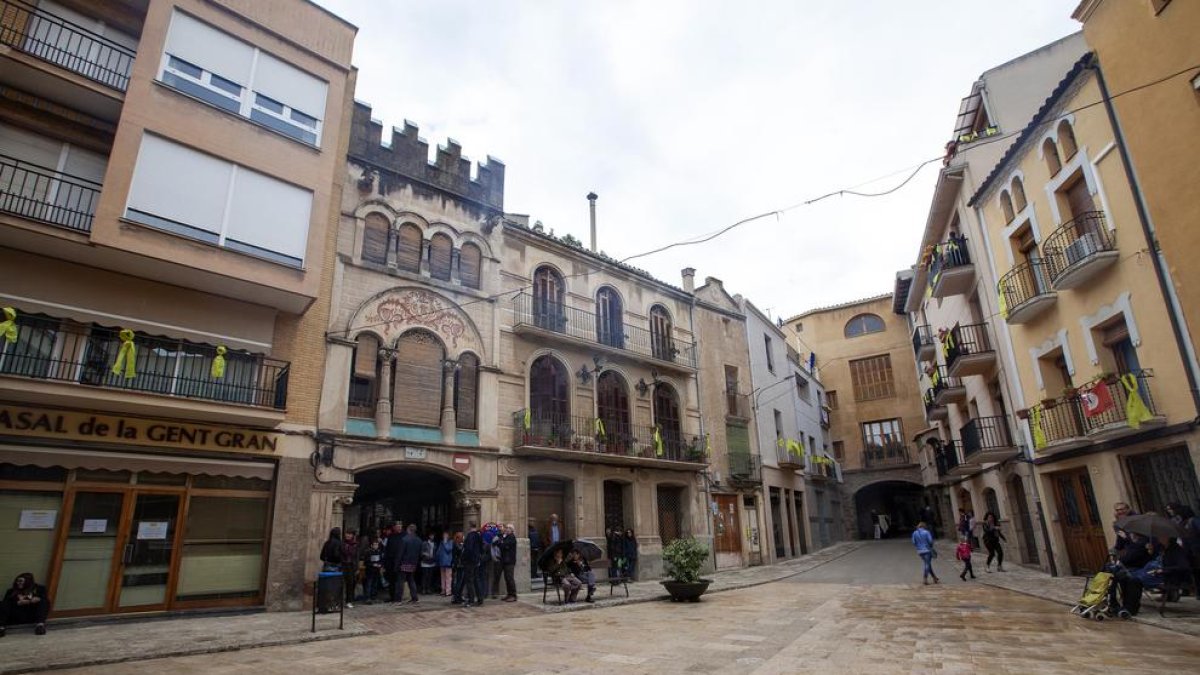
[(70, 425), (37, 519), (95, 525)]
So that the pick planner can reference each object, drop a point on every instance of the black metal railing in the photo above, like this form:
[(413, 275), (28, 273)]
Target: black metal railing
[(922, 337), (609, 437), (56, 40), (1076, 241), (948, 255), (744, 467), (1068, 417), (1119, 394), (891, 454), (946, 458), (48, 348), (1059, 419), (941, 381), (930, 397), (786, 456), (985, 433), (963, 340), (561, 318), (737, 405), (49, 196), (1023, 283)]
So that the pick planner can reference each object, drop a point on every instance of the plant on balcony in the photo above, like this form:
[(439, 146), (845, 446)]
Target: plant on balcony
[(1023, 414), (684, 558), (1108, 377), (1070, 392)]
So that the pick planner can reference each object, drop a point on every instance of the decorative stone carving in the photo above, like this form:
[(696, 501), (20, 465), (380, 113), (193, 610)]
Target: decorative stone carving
[(394, 312)]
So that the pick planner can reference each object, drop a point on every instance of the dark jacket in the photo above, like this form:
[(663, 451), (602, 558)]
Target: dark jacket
[(472, 548), (391, 551), (331, 552), (992, 535), (410, 550), (349, 556), (508, 549), (535, 539), (631, 548)]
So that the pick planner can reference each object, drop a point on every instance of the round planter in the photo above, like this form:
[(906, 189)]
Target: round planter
[(686, 591)]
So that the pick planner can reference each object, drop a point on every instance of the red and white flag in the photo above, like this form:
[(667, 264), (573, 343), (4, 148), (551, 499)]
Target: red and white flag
[(1096, 399)]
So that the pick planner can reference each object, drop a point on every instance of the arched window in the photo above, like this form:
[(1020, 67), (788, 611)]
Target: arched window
[(993, 504), (1066, 137), (1006, 206), (364, 381), (408, 248), (863, 324), (667, 421), (470, 258), (417, 390), (662, 344), (440, 251), (1053, 164), (610, 328), (549, 396), (612, 407), (1018, 191), (376, 238), (548, 295), (466, 392)]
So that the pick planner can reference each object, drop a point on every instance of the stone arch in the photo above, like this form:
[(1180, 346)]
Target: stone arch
[(398, 310), (895, 495)]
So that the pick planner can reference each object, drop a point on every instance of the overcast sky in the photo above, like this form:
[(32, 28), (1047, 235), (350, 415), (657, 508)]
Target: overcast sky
[(688, 116)]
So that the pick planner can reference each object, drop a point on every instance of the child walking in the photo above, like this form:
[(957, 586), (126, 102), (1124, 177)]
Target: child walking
[(963, 553)]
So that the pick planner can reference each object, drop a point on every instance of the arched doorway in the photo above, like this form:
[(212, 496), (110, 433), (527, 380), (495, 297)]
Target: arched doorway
[(668, 422), (964, 500), (409, 494), (1023, 522), (612, 408), (546, 496), (899, 500)]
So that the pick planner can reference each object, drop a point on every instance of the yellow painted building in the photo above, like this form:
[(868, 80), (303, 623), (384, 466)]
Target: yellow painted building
[(1100, 379)]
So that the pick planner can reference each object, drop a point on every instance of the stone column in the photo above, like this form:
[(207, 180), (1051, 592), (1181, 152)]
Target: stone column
[(449, 367), (383, 403)]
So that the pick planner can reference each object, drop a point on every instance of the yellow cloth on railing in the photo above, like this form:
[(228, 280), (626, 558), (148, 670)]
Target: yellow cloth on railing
[(1136, 411), (527, 419), (1003, 302), (218, 364), (658, 442), (947, 343), (708, 445), (599, 428), (126, 356), (795, 448), (8, 327), (1035, 424)]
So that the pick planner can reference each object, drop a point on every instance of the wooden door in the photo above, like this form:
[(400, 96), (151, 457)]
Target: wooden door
[(1079, 520), (727, 533), (1079, 200)]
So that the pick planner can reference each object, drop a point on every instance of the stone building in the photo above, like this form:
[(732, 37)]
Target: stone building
[(170, 173)]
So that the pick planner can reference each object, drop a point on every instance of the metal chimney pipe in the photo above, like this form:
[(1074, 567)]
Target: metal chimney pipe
[(591, 197)]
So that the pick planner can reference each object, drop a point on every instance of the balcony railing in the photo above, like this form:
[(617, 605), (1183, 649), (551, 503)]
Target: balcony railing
[(744, 467), (894, 454), (56, 40), (943, 382), (1076, 242), (49, 196), (737, 405), (966, 340), (1061, 420), (922, 341), (946, 459), (583, 434), (824, 417), (948, 255), (51, 349), (983, 434), (931, 403), (1023, 284), (1067, 418), (580, 324)]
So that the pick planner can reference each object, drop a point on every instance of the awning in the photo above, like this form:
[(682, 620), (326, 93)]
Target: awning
[(124, 461)]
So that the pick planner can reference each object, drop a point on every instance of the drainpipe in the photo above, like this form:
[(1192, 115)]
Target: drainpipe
[(1174, 312)]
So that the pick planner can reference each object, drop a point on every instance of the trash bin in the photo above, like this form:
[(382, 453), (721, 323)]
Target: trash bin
[(329, 593)]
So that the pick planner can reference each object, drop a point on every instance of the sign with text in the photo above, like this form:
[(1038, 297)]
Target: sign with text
[(37, 519), (69, 425)]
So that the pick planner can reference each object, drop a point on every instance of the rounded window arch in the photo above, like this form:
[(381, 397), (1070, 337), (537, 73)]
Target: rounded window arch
[(549, 395), (668, 422), (864, 324), (992, 504), (549, 294), (662, 343), (466, 392), (408, 247), (417, 385), (377, 237), (1066, 137), (612, 409), (441, 249), (1018, 192), (470, 262), (1050, 151), (610, 323), (1006, 206)]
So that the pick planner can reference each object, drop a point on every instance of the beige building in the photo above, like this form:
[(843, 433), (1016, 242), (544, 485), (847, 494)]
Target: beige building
[(864, 359), (168, 172), (1103, 386)]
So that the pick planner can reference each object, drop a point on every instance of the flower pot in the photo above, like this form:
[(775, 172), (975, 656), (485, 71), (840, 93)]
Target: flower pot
[(686, 591)]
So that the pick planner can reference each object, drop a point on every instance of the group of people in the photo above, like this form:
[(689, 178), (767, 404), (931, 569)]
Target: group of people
[(968, 543), (463, 566), (1139, 562)]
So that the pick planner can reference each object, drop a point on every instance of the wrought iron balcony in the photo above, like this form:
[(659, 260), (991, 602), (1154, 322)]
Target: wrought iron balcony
[(737, 405), (1071, 421), (968, 350), (788, 459), (934, 411), (820, 470), (46, 195), (951, 271), (56, 40), (923, 346), (557, 319), (1079, 249), (987, 440), (1025, 292), (744, 467), (611, 439), (946, 459), (48, 348), (946, 389), (1061, 423), (882, 456)]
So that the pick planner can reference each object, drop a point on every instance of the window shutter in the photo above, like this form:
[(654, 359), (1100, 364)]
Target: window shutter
[(417, 397), (466, 392), (366, 353), (440, 248), (738, 439), (375, 239), (469, 261), (408, 248)]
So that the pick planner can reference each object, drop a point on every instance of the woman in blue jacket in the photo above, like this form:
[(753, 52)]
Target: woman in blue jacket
[(445, 562), (923, 541)]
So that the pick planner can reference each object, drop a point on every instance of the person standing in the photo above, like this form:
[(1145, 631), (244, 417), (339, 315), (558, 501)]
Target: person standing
[(391, 559), (554, 531), (535, 550), (428, 563), (472, 557), (508, 561), (923, 541), (331, 552), (992, 536), (25, 602), (875, 526), (963, 553), (410, 558), (373, 570), (494, 554), (631, 553), (457, 565), (445, 561), (350, 565)]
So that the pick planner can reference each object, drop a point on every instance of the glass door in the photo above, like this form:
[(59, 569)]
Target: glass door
[(85, 573), (147, 551)]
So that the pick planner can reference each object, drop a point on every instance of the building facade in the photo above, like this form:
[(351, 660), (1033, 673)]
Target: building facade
[(168, 172)]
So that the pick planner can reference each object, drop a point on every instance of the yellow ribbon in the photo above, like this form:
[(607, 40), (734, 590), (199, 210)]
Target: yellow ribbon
[(658, 443), (1003, 303), (707, 445), (947, 343), (599, 428), (1136, 411), (1035, 423), (126, 356), (935, 378), (779, 442), (8, 327), (795, 448), (527, 418), (218, 364)]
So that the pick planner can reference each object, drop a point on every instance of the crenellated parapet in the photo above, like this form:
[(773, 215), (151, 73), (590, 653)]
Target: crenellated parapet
[(408, 156)]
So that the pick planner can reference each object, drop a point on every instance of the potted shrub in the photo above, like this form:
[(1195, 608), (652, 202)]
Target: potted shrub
[(683, 558)]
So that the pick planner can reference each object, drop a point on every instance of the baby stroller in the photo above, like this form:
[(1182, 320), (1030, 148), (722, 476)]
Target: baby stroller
[(1094, 603)]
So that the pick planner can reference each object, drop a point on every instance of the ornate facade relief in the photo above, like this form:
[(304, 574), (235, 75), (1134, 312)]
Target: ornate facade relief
[(394, 312)]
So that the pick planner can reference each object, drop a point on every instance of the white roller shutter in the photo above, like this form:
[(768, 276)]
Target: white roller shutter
[(179, 184), (289, 85), (209, 48), (269, 214)]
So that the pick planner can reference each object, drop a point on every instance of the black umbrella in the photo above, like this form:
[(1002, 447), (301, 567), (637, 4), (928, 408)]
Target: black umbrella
[(547, 558), (590, 551), (1150, 525)]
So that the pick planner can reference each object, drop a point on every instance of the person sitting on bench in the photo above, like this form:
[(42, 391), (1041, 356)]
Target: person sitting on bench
[(25, 602)]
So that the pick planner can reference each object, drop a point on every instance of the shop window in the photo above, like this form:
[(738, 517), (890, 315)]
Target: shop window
[(466, 392), (417, 389), (207, 482), (223, 547), (26, 549), (470, 259)]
